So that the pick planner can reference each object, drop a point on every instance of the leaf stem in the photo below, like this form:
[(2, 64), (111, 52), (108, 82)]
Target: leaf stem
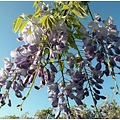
[(32, 81), (92, 94), (90, 12)]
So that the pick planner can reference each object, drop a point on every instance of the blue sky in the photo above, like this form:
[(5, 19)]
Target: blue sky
[(9, 11)]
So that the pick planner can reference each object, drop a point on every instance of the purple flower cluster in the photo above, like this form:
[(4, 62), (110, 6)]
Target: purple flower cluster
[(101, 43), (101, 40), (28, 60)]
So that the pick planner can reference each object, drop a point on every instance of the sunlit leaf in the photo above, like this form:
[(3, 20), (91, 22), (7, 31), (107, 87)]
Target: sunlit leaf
[(17, 23), (29, 16), (35, 3), (49, 24), (80, 8), (70, 3), (77, 13), (53, 21), (43, 20), (37, 10), (61, 66), (14, 24), (23, 25), (51, 60), (65, 7)]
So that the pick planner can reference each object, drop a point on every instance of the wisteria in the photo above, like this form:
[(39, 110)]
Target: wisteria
[(45, 54)]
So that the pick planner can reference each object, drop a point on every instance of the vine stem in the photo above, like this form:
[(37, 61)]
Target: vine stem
[(65, 12), (39, 61), (67, 100), (63, 80), (92, 93), (111, 69), (27, 93), (90, 12), (85, 69), (93, 100)]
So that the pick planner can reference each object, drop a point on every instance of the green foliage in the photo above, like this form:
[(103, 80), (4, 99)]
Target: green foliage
[(35, 4), (77, 13), (17, 23), (44, 114), (23, 24), (10, 117), (72, 42), (47, 21), (62, 65), (108, 109)]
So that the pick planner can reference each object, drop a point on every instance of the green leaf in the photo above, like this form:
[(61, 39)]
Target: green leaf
[(49, 24), (65, 7), (23, 24), (53, 21), (37, 12), (47, 21), (29, 16), (14, 23), (70, 3), (35, 4), (72, 42), (17, 23), (51, 60), (80, 8), (43, 20), (77, 35), (61, 65), (46, 51), (74, 21), (77, 13)]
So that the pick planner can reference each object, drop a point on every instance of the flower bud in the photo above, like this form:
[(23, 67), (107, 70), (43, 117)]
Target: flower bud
[(36, 87), (117, 58), (78, 101), (18, 94), (2, 102), (55, 103), (53, 68), (31, 78), (9, 103), (8, 85), (98, 66), (26, 79), (117, 50)]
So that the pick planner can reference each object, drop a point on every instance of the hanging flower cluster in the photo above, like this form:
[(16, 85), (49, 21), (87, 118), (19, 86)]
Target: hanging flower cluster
[(101, 43), (27, 62), (99, 38)]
